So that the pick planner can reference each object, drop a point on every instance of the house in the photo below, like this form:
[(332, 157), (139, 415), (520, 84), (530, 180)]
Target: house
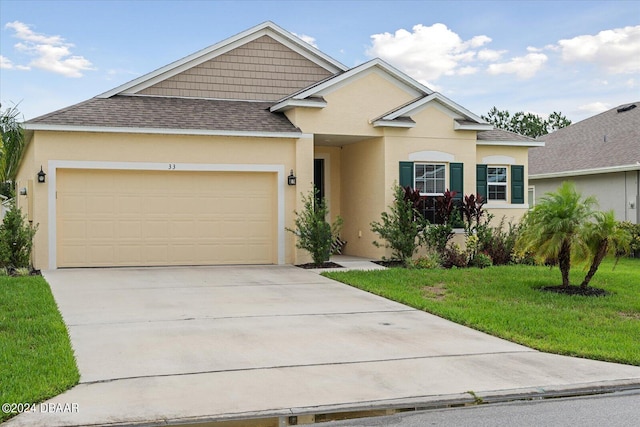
[(192, 164), (601, 155)]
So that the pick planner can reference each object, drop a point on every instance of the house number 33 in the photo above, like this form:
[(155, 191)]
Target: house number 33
[(172, 166)]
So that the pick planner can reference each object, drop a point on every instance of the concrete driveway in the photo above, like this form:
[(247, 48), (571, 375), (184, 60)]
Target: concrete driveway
[(157, 345)]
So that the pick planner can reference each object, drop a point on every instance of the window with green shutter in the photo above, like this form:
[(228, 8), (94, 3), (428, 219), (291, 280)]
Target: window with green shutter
[(406, 174), (456, 179), (517, 184), (481, 180)]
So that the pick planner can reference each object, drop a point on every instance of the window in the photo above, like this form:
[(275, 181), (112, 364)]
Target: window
[(497, 183), (429, 178)]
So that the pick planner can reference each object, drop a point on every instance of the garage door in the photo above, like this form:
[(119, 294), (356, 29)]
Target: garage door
[(144, 218)]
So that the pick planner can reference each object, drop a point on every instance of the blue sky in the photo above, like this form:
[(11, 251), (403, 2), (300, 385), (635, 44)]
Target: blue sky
[(577, 57)]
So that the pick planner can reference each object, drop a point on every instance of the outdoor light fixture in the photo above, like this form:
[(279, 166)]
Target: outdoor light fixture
[(23, 191), (291, 179), (41, 175)]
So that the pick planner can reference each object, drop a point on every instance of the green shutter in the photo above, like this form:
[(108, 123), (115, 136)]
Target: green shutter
[(456, 179), (406, 174), (481, 180), (517, 184)]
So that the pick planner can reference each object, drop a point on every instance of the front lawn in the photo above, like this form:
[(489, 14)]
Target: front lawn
[(506, 301), (36, 359)]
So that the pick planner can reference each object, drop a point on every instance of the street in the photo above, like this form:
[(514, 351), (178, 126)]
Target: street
[(620, 409)]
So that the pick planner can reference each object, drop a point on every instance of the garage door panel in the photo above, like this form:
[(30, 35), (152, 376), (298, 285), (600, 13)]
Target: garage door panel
[(120, 218)]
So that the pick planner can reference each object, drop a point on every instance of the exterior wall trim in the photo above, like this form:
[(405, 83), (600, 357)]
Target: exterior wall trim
[(498, 160), (54, 165), (160, 131), (432, 156)]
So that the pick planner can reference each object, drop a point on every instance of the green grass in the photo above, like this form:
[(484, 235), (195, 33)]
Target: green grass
[(507, 302), (36, 359)]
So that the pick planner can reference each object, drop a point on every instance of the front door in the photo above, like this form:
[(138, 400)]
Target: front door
[(318, 177)]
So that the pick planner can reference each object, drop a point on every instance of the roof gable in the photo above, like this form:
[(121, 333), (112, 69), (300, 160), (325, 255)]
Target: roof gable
[(296, 49)]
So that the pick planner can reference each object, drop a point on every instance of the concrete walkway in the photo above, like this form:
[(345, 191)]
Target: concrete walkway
[(183, 345)]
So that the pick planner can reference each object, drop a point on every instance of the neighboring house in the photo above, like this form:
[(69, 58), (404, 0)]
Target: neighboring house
[(190, 164), (600, 154)]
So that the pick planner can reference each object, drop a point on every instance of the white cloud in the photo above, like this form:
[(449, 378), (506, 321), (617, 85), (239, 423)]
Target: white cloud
[(7, 64), (631, 83), (427, 53), (489, 55), (524, 67), (307, 39), (617, 50), (594, 107), (51, 53)]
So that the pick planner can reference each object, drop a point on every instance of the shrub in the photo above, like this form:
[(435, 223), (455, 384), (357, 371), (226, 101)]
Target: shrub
[(481, 260), (499, 242), (430, 261), (401, 227), (314, 233), (16, 240), (634, 231), (453, 256)]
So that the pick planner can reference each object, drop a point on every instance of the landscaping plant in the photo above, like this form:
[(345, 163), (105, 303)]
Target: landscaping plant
[(401, 227), (314, 233), (604, 237), (16, 240)]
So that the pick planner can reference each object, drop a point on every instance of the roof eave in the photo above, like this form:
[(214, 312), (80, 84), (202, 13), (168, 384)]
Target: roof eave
[(288, 104), (582, 172), (513, 143), (164, 131), (475, 126), (394, 124)]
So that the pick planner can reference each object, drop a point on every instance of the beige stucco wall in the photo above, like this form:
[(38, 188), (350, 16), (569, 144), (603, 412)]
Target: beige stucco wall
[(617, 191), (363, 194), (80, 146), (351, 106)]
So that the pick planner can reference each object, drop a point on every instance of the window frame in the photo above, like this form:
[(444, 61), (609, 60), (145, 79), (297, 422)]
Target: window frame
[(504, 184), (444, 179)]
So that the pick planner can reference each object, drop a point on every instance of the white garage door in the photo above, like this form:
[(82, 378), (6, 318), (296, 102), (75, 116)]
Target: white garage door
[(144, 218)]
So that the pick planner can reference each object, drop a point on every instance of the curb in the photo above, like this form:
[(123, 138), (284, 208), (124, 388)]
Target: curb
[(319, 414)]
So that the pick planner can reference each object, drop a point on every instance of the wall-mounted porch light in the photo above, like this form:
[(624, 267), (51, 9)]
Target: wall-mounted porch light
[(291, 179), (41, 176)]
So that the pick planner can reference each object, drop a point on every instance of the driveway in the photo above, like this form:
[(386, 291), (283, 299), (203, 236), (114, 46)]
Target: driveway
[(219, 343)]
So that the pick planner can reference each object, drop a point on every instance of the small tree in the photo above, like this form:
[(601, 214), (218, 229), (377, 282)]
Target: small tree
[(401, 227), (16, 240), (314, 233), (11, 147), (604, 237), (552, 230)]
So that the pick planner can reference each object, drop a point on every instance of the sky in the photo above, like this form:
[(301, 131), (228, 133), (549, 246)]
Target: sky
[(575, 57)]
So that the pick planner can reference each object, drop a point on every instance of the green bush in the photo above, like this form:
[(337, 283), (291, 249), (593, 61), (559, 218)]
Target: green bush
[(634, 231), (16, 240), (401, 227), (314, 233), (481, 260), (430, 261)]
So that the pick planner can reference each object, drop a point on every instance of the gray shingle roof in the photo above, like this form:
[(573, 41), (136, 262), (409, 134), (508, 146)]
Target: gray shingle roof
[(170, 113), (502, 135), (606, 140)]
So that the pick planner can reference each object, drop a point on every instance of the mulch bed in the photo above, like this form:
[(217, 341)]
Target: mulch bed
[(577, 290), (311, 266), (391, 263)]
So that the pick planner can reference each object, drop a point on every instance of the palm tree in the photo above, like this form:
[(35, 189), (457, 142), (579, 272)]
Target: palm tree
[(552, 229), (604, 237), (11, 148)]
